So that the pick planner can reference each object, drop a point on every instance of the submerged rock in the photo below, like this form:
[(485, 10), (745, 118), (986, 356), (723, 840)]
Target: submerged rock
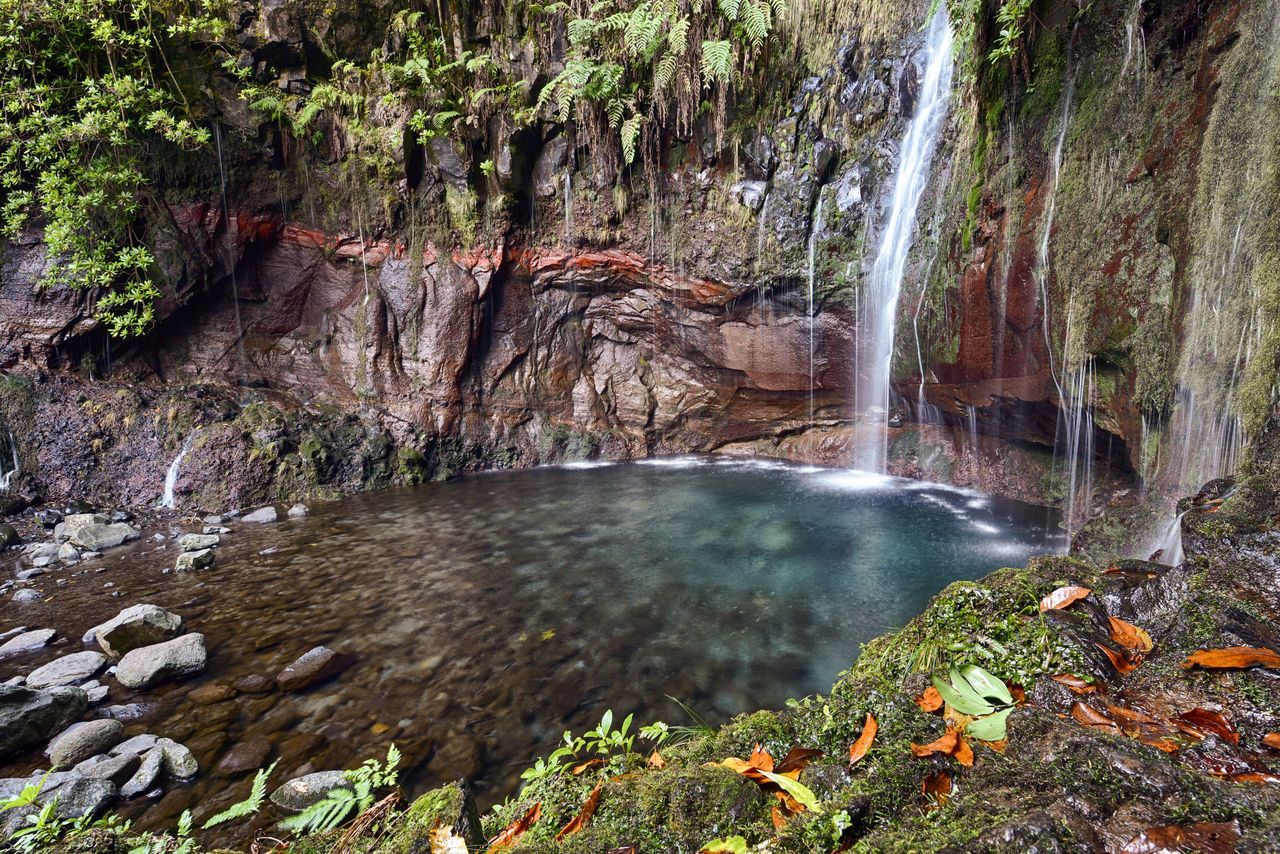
[(28, 716), (145, 666), (68, 670), (84, 740), (311, 667), (244, 757), (27, 641)]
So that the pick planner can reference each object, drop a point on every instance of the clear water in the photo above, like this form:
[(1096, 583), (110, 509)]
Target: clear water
[(491, 614)]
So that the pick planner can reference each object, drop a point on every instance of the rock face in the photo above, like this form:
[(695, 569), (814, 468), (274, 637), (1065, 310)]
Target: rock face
[(148, 665), (68, 670), (28, 717), (313, 666), (83, 741), (137, 626)]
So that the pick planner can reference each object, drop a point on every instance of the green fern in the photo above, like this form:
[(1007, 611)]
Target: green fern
[(250, 805), (717, 60)]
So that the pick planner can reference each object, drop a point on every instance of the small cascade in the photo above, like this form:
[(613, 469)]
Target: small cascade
[(1169, 546), (1135, 42), (971, 427), (879, 307), (1076, 438), (6, 475), (814, 229), (171, 477), (568, 213), (231, 261), (1041, 272)]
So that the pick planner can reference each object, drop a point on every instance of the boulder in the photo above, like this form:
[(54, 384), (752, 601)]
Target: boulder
[(28, 717), (191, 561), (68, 553), (73, 524), (27, 641), (145, 666), (196, 542), (313, 666), (68, 670), (86, 796), (177, 761), (117, 769), (26, 594), (83, 740), (302, 792), (99, 537), (136, 626), (262, 514), (145, 777), (48, 518), (9, 536)]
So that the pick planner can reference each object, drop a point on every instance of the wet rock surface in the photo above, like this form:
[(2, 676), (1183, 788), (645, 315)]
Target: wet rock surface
[(174, 659)]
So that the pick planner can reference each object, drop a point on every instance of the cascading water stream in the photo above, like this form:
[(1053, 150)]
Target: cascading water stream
[(813, 242), (1170, 543), (231, 261), (167, 500), (6, 477), (880, 299)]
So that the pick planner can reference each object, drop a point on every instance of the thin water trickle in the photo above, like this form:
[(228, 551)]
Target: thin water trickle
[(6, 477), (1169, 545), (813, 242), (880, 300), (167, 500), (231, 260)]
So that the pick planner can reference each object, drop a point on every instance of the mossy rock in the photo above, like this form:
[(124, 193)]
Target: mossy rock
[(449, 806)]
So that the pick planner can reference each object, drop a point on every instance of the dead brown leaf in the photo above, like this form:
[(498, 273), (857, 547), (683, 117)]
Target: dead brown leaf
[(443, 841), (950, 744), (1162, 744), (1272, 740), (1063, 596), (795, 760), (1214, 722), (937, 788), (930, 700), (1129, 635), (656, 760), (1122, 664), (859, 748), (583, 818), (578, 770), (1203, 838), (1088, 716), (1075, 684), (1257, 777), (516, 829), (779, 818), (1233, 658), (761, 759)]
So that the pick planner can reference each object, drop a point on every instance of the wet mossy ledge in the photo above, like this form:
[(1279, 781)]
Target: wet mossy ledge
[(1122, 744)]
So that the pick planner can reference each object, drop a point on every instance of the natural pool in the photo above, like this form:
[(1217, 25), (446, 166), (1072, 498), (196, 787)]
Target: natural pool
[(490, 614)]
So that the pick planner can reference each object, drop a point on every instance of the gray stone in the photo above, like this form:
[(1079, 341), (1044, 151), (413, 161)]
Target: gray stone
[(297, 511), (179, 763), (314, 666), (99, 537), (145, 777), (145, 666), (214, 519), (216, 529), (27, 641), (28, 717), (9, 536), (137, 626), (28, 574), (244, 757), (196, 542), (41, 561), (14, 632), (191, 561), (262, 514), (26, 594), (34, 550), (97, 693), (72, 525), (82, 741), (301, 792), (68, 670), (137, 745), (68, 552), (128, 711), (117, 769), (86, 796), (48, 518)]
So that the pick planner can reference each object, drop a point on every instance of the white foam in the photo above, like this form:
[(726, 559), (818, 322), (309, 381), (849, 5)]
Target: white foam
[(586, 464), (856, 480)]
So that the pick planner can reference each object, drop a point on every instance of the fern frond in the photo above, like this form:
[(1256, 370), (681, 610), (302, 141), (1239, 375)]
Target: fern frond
[(250, 805), (678, 38), (631, 133), (664, 73), (730, 8), (755, 21), (717, 60)]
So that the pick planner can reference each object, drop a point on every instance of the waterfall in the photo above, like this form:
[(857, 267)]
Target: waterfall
[(171, 478), (880, 298), (1076, 430), (231, 262), (1041, 273), (1170, 543), (813, 242), (6, 477)]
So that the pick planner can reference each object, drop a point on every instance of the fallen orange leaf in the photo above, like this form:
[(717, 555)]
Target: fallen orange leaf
[(1272, 740), (964, 753), (1129, 635), (1162, 744), (443, 841), (1089, 716), (516, 829), (590, 763), (951, 744), (997, 746), (859, 748), (1251, 777), (1063, 596), (761, 759), (931, 700), (1122, 665), (584, 815), (1233, 658), (1214, 722), (937, 786), (1204, 837), (656, 760), (779, 818), (795, 760), (746, 769), (1075, 684)]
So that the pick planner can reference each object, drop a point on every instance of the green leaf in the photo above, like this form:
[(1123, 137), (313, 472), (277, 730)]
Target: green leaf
[(966, 703), (728, 845), (990, 728), (985, 684), (799, 791)]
